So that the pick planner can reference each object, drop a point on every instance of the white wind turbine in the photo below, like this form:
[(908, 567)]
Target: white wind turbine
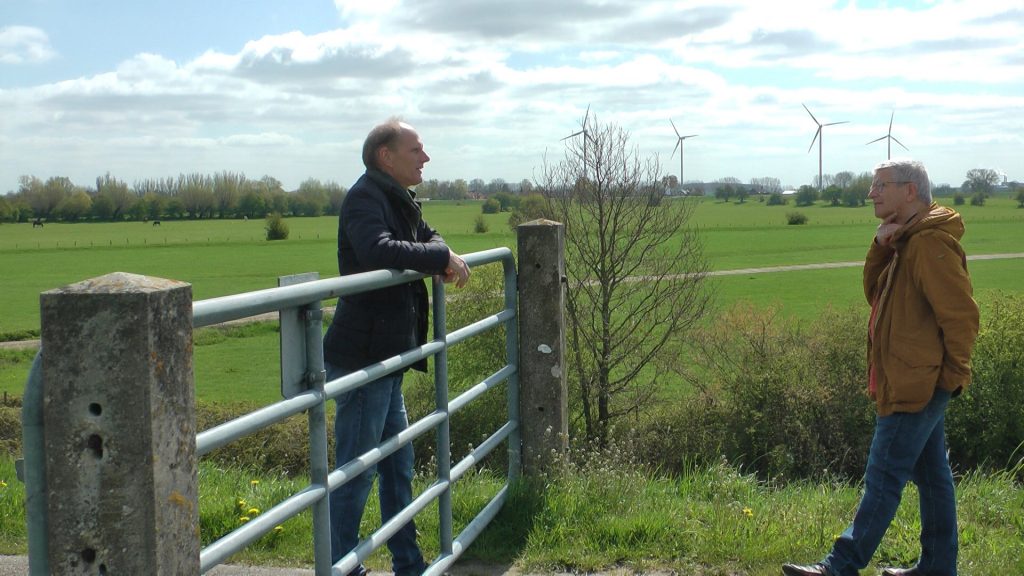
[(889, 137), (679, 146), (819, 136)]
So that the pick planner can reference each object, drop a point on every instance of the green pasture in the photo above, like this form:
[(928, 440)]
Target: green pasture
[(221, 257)]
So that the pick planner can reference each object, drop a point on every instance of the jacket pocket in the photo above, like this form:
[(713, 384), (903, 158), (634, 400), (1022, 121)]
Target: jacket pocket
[(912, 372)]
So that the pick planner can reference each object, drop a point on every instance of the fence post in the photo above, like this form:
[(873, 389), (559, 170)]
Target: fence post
[(119, 420), (542, 379)]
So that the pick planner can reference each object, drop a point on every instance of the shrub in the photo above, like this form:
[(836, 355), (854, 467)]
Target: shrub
[(985, 425), (480, 225), (778, 399), (277, 228), (958, 199), (491, 206), (776, 199), (978, 199), (796, 218)]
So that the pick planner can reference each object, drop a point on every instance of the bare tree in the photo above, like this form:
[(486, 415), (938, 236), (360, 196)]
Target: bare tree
[(635, 272)]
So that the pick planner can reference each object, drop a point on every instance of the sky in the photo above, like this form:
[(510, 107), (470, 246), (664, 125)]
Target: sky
[(290, 88)]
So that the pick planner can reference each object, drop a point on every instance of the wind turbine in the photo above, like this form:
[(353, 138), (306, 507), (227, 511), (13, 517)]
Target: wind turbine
[(890, 137), (819, 136), (679, 145), (586, 136)]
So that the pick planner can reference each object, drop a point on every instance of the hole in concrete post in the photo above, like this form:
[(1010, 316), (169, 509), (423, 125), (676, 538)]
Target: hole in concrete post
[(95, 445), (89, 555), (103, 569), (95, 409), (537, 265)]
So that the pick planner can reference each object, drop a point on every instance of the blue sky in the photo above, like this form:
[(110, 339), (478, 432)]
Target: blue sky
[(289, 89)]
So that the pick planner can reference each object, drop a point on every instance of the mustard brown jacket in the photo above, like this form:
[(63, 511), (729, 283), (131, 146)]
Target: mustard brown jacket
[(926, 319)]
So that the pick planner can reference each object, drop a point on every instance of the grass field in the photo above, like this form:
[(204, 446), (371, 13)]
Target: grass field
[(224, 257), (221, 257)]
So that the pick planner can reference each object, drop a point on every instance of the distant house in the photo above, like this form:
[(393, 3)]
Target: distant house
[(789, 192)]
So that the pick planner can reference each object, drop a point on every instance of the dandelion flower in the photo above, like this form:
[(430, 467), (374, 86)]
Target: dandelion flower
[(243, 519), (241, 503), (748, 512), (3, 484), (254, 482), (278, 529), (254, 511)]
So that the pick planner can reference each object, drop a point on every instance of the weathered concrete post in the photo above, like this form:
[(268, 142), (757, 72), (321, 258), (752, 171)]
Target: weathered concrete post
[(119, 417), (543, 392)]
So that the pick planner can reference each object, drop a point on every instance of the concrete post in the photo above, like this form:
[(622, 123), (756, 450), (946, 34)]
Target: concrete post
[(543, 399), (119, 416)]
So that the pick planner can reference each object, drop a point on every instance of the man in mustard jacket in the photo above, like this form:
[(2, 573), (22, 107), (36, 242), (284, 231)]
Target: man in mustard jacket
[(923, 324)]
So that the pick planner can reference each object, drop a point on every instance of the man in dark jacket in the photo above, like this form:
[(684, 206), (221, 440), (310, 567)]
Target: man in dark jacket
[(922, 329), (380, 227)]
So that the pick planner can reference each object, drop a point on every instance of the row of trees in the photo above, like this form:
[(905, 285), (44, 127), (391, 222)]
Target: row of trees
[(198, 196), (232, 195), (195, 196)]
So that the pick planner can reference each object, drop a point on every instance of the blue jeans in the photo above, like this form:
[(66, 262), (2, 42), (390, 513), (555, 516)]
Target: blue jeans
[(365, 417), (905, 447)]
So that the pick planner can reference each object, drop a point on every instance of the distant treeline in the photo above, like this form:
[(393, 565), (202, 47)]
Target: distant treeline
[(201, 196), (233, 195)]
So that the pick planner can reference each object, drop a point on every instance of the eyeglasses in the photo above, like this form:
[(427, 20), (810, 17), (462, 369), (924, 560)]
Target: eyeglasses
[(877, 186)]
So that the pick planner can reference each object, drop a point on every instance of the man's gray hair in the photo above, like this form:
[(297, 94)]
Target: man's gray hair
[(385, 134), (907, 170)]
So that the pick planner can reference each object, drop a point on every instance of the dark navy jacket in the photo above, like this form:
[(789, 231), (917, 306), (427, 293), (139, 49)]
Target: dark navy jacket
[(380, 226)]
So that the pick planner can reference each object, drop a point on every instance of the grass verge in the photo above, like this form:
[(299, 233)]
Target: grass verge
[(711, 521)]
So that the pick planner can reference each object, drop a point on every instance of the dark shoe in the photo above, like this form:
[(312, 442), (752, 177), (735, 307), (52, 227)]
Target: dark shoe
[(902, 572), (815, 570)]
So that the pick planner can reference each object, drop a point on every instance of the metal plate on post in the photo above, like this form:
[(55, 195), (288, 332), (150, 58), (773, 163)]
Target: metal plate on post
[(293, 340)]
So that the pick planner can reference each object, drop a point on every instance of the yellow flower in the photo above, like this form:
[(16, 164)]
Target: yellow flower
[(241, 503), (254, 511), (243, 519), (748, 512), (3, 484), (254, 482), (278, 529)]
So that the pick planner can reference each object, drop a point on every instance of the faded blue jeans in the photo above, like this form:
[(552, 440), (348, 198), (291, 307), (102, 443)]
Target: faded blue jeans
[(365, 417), (906, 446)]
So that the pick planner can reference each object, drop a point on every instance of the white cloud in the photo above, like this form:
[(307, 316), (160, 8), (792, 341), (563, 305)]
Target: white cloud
[(491, 85), (24, 45)]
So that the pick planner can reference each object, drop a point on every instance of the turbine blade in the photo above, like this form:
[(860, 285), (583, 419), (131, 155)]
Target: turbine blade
[(812, 115), (900, 143), (575, 135), (674, 129), (586, 117), (689, 136), (834, 123), (877, 139), (891, 116), (678, 142), (813, 140)]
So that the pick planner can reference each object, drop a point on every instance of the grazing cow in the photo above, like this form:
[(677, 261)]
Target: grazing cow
[(37, 223), (156, 222)]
